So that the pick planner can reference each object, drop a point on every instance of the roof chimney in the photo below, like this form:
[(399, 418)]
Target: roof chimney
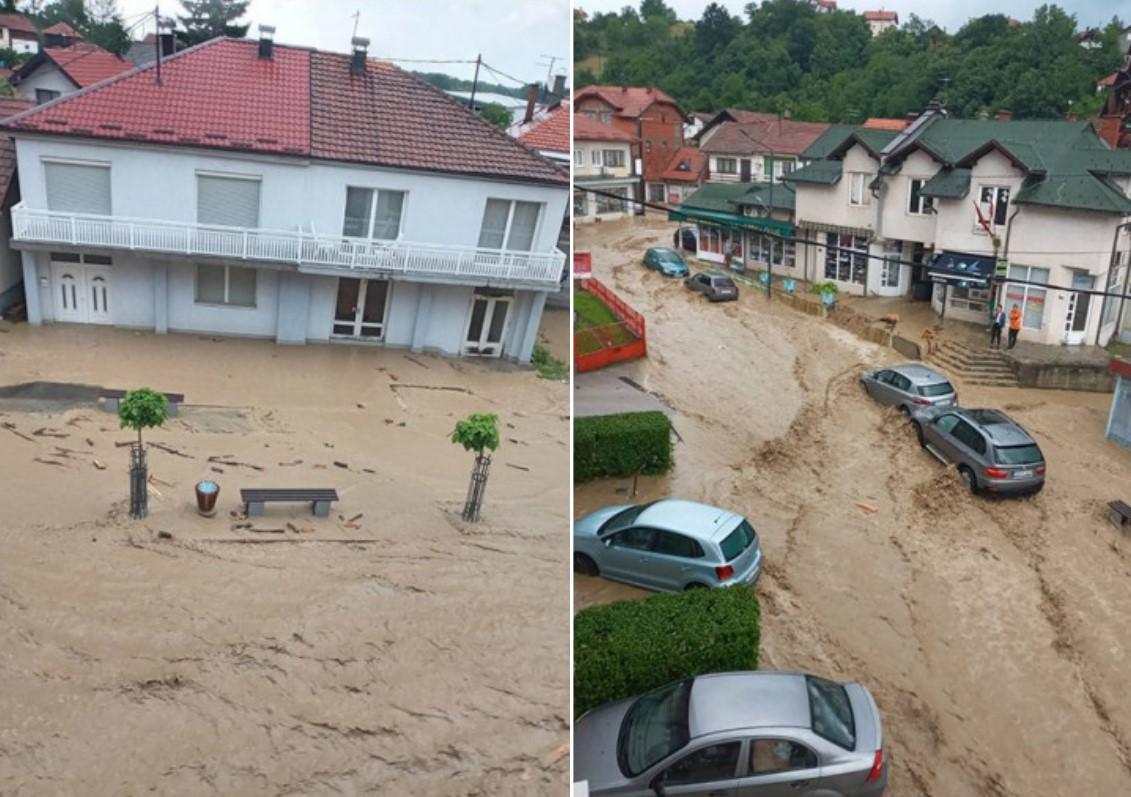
[(166, 37), (266, 40), (360, 54), (1003, 116), (531, 102), (559, 87)]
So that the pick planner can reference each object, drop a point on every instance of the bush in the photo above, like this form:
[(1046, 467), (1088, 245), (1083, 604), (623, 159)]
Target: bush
[(549, 366), (621, 445), (631, 647)]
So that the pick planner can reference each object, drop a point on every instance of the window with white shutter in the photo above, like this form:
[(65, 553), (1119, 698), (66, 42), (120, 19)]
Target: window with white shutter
[(227, 201), (78, 188)]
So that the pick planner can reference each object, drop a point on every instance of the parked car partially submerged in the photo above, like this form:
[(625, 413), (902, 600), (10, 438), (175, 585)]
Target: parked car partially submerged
[(666, 261), (909, 387), (668, 545), (716, 287), (992, 452), (741, 733)]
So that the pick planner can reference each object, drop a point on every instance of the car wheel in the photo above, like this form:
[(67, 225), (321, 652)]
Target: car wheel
[(906, 413), (584, 565), (919, 435), (694, 585), (969, 478)]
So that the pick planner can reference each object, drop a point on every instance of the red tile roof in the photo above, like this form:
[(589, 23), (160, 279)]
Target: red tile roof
[(879, 123), (550, 134), (781, 136), (881, 16), (628, 101), (587, 127), (740, 115), (688, 166), (17, 22), (85, 63), (8, 107), (300, 102), (63, 29), (1109, 80)]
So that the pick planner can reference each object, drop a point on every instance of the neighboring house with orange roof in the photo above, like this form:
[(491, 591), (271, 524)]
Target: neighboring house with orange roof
[(879, 21), (602, 163), (18, 33), (687, 171), (750, 151), (57, 71), (548, 133), (880, 123), (60, 35), (11, 267), (649, 116)]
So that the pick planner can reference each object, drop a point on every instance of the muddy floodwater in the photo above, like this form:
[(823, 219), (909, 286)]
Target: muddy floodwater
[(389, 648), (992, 632)]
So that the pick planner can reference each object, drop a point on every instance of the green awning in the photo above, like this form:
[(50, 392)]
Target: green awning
[(731, 220)]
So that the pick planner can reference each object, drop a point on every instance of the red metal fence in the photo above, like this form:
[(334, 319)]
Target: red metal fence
[(609, 351)]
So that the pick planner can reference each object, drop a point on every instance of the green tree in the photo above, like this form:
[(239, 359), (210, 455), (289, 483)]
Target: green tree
[(207, 19), (97, 21), (478, 432), (497, 115), (143, 409)]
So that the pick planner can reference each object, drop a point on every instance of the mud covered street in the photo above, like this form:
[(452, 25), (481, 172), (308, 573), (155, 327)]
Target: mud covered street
[(388, 648), (993, 633)]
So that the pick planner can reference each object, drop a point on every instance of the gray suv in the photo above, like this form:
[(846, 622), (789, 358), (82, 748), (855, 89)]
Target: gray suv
[(992, 452), (909, 387)]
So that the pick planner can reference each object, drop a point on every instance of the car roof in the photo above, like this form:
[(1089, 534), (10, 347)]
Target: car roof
[(728, 701), (665, 250), (700, 521), (919, 374), (999, 427)]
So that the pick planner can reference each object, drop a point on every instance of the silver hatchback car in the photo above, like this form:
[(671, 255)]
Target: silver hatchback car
[(668, 546), (742, 734), (992, 452), (909, 387)]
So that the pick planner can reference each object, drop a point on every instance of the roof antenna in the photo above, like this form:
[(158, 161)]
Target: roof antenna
[(356, 19)]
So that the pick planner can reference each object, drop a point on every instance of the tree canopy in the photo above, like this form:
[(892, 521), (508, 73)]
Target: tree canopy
[(97, 21), (207, 19), (784, 56)]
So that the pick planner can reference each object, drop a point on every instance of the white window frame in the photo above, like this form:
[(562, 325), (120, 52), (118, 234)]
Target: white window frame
[(77, 162), (510, 220), (595, 157), (373, 210), (892, 270), (618, 155), (865, 197), (578, 157), (925, 204), (251, 178), (733, 165), (992, 215), (227, 288)]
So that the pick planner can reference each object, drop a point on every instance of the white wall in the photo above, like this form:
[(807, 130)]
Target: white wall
[(829, 204), (46, 76), (896, 221), (11, 265), (160, 183), (588, 169), (957, 224), (185, 315)]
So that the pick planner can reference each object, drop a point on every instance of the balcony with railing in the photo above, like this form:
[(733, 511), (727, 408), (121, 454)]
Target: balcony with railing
[(310, 253)]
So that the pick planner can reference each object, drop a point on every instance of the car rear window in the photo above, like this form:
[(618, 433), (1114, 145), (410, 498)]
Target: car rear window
[(738, 541), (937, 389), (830, 712), (724, 282), (1017, 455)]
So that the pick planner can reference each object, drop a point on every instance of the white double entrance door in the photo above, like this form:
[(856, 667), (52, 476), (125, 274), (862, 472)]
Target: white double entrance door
[(487, 325), (81, 292)]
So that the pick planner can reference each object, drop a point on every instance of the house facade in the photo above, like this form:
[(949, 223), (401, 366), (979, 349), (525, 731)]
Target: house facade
[(968, 213), (18, 33), (308, 197), (879, 21), (757, 151), (602, 161), (743, 226), (58, 71), (684, 175)]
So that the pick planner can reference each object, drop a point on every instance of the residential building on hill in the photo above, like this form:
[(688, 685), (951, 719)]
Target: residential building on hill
[(757, 151), (58, 71), (18, 33), (282, 192), (602, 161), (11, 266), (879, 21), (946, 204)]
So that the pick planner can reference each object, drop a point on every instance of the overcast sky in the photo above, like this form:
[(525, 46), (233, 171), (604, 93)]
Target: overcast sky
[(512, 35), (950, 15)]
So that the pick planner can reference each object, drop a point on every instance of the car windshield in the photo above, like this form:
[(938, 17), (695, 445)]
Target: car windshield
[(737, 541), (1018, 455), (623, 519), (937, 389), (830, 711), (668, 256), (655, 726)]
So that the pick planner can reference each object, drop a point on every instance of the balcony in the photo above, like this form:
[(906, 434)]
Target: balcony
[(310, 253)]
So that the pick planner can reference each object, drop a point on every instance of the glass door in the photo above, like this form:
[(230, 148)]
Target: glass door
[(1076, 319), (360, 309), (487, 325)]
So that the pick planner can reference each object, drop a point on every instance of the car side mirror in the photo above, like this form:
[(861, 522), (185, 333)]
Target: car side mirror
[(608, 542), (657, 785)]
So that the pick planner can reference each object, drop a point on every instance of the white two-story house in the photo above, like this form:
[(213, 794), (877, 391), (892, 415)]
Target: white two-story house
[(285, 193), (602, 161), (967, 213)]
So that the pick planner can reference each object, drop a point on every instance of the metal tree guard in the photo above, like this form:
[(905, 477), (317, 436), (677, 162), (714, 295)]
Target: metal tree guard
[(477, 488), (139, 476)]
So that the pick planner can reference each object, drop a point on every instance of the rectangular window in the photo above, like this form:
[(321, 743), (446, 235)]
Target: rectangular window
[(614, 158), (726, 166), (228, 285), (655, 192), (1030, 299), (893, 253), (605, 117), (595, 157), (578, 158), (227, 201), (917, 204), (509, 224), (846, 258), (77, 188), (993, 201), (607, 204), (45, 95), (372, 213), (858, 195)]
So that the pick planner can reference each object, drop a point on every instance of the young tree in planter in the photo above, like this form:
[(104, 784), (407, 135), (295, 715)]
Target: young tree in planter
[(141, 409), (479, 433)]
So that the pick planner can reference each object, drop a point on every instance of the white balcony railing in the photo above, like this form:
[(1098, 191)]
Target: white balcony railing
[(305, 250)]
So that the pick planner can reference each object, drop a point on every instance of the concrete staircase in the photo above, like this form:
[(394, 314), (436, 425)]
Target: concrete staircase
[(974, 364)]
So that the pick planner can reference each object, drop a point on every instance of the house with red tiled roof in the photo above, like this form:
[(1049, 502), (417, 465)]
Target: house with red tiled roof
[(752, 151), (11, 267), (548, 132), (604, 172), (649, 116), (57, 71), (879, 21), (18, 33), (881, 123), (60, 35), (282, 192), (687, 171)]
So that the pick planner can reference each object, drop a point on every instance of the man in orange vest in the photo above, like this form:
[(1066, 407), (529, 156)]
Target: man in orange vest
[(1014, 325)]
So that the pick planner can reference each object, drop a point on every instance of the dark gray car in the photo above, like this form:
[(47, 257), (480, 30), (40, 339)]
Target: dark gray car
[(992, 452), (715, 287), (909, 387), (741, 734)]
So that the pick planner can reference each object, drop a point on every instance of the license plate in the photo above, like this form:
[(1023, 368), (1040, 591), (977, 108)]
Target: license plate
[(1022, 474)]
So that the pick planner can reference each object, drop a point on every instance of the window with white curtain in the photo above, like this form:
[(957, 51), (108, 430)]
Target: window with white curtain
[(77, 187), (227, 201), (373, 213), (509, 224)]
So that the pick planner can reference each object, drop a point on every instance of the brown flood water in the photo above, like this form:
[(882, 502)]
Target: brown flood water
[(991, 632), (389, 647)]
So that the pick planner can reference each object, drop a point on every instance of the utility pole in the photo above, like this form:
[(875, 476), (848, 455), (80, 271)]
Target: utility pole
[(157, 39), (550, 69), (475, 82)]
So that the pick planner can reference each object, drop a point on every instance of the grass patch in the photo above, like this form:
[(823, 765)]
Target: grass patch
[(597, 324), (1120, 349), (549, 366)]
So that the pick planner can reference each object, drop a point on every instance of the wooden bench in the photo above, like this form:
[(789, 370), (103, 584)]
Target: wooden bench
[(1119, 513), (111, 398), (320, 499)]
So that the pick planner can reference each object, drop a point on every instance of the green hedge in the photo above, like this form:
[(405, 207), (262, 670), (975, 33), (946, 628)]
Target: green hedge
[(621, 445), (630, 647)]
